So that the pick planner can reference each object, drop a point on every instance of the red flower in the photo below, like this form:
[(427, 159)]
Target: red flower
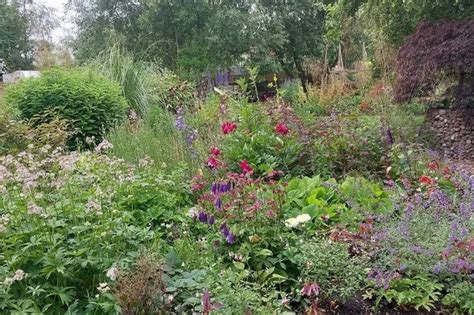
[(426, 180), (212, 162), (282, 129), (433, 165), (245, 166), (228, 127), (215, 151)]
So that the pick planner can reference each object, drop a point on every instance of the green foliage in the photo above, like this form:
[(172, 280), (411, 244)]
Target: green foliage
[(328, 202), (339, 274), (170, 92), (418, 292), (264, 149), (397, 19), (461, 298), (90, 103), (257, 141), (17, 136), (153, 140), (66, 229), (348, 145)]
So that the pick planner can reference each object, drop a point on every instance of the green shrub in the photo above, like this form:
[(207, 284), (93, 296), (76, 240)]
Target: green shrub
[(347, 145), (257, 141), (170, 92), (89, 102)]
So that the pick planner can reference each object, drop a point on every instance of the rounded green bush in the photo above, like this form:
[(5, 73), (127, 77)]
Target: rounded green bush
[(88, 101)]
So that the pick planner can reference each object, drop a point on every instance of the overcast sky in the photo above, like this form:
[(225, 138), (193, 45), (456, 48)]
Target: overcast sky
[(65, 24)]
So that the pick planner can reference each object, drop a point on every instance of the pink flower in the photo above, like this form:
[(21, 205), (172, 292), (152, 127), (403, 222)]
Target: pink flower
[(228, 127), (212, 162), (245, 167), (215, 151), (310, 289), (433, 165), (282, 129)]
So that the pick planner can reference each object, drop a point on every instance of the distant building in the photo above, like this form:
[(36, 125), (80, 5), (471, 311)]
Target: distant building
[(18, 75)]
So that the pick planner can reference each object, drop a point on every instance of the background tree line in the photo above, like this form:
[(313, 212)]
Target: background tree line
[(190, 37)]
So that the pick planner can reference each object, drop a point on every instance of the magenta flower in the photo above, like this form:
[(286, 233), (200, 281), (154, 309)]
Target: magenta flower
[(215, 151), (245, 167), (228, 127), (282, 129), (212, 162)]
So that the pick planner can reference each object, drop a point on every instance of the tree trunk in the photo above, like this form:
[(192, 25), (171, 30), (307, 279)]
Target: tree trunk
[(325, 67), (301, 74)]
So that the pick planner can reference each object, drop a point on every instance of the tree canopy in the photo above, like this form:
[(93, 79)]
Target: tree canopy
[(15, 45), (434, 52)]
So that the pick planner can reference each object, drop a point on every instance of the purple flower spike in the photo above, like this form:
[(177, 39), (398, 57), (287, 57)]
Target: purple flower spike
[(202, 216), (225, 188), (218, 203), (230, 238), (211, 220), (224, 229), (214, 188)]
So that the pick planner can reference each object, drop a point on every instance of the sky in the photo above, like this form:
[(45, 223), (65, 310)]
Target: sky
[(65, 25)]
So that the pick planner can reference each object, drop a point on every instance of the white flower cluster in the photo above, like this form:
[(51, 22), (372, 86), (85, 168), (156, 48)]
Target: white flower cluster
[(34, 209), (4, 219), (103, 287), (112, 273), (104, 146), (18, 276), (294, 222)]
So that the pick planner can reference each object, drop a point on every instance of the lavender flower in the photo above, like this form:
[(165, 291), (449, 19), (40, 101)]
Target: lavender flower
[(228, 235), (437, 268), (404, 230)]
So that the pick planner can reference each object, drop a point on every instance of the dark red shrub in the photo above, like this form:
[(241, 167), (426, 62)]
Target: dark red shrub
[(435, 51)]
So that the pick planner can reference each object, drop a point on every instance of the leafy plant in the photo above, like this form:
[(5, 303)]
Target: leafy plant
[(68, 220), (90, 103), (329, 202), (418, 292), (461, 298)]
